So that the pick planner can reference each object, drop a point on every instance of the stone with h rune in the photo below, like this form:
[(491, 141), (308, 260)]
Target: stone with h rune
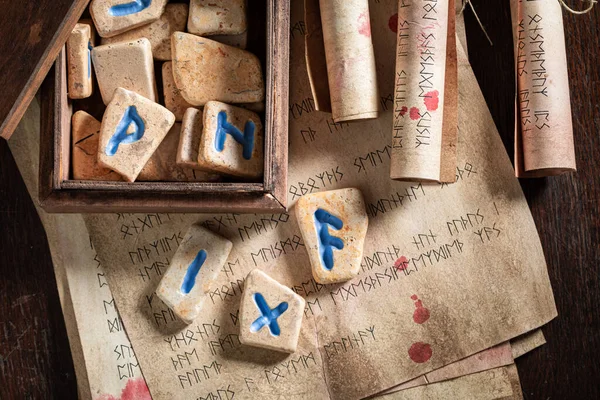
[(128, 65), (206, 70), (132, 129), (79, 61), (231, 141), (193, 270), (334, 226), (270, 314), (113, 17)]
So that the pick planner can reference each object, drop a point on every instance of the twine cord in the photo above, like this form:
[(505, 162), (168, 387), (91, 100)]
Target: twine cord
[(589, 8), (464, 5)]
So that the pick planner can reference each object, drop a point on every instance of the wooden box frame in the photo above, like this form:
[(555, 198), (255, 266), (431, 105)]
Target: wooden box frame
[(60, 194)]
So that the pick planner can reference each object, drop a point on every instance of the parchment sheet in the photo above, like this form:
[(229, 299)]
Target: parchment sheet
[(468, 251), (543, 130), (105, 363)]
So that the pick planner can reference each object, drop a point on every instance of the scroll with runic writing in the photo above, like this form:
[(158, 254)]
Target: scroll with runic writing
[(341, 59), (543, 129), (425, 93)]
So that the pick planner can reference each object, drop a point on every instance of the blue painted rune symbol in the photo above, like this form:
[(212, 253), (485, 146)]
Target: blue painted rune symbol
[(189, 280), (323, 220), (90, 59), (246, 139), (268, 316), (120, 10), (131, 117)]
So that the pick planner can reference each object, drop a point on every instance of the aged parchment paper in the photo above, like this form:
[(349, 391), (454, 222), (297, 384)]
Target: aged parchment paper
[(544, 130), (467, 252), (105, 363)]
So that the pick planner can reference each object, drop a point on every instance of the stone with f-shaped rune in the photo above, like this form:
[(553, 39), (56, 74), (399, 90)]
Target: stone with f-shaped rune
[(334, 226), (192, 272), (275, 328), (132, 129)]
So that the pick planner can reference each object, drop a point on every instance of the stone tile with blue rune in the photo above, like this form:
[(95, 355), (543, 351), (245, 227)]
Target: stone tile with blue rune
[(334, 226), (270, 314), (128, 65), (231, 141), (113, 17), (79, 62), (132, 129), (192, 272)]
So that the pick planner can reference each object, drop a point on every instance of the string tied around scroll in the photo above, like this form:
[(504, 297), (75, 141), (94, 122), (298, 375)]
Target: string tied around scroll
[(591, 4)]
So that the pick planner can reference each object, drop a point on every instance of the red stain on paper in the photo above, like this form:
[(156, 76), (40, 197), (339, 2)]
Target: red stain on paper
[(364, 24), (135, 389), (393, 23), (401, 264), (403, 111), (414, 113), (432, 100), (420, 352), (421, 314)]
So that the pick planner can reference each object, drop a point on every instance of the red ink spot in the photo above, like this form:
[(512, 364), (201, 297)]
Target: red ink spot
[(421, 314), (420, 352), (403, 111), (401, 263), (393, 23), (221, 51), (364, 24), (135, 389), (432, 100), (414, 113)]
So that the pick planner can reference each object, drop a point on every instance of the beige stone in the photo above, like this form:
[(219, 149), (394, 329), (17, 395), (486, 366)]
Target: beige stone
[(240, 41), (231, 141), (189, 140), (128, 65), (162, 166), (270, 314), (79, 62), (340, 216), (210, 17), (174, 101), (84, 159), (132, 129), (192, 272), (113, 17), (158, 32), (207, 70)]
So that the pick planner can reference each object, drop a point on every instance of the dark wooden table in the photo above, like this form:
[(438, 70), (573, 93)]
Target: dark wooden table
[(35, 360)]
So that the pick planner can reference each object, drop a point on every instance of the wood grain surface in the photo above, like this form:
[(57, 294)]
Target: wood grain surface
[(34, 353), (31, 35)]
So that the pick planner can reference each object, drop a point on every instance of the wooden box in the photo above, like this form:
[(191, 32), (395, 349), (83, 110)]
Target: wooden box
[(59, 193)]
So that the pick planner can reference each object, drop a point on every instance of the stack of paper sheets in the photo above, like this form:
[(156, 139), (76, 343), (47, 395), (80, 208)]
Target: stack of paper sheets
[(468, 252)]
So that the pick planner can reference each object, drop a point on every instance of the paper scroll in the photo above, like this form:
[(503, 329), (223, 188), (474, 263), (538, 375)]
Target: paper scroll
[(425, 90), (544, 131), (350, 91)]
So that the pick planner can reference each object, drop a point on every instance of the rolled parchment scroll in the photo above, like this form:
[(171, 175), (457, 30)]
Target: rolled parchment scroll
[(350, 58), (543, 129), (419, 91)]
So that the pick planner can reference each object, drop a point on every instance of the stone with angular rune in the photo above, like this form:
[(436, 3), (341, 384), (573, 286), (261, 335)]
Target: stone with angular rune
[(158, 32), (113, 17), (192, 272), (162, 166), (270, 314), (232, 141), (334, 226), (86, 132), (132, 129), (79, 46), (173, 99), (224, 17), (128, 65), (207, 70)]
